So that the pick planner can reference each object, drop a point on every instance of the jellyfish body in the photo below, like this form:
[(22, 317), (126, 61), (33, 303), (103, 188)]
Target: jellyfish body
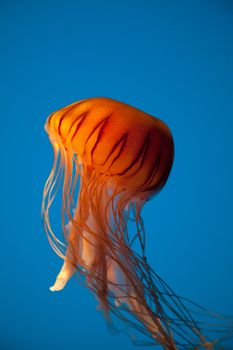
[(118, 157)]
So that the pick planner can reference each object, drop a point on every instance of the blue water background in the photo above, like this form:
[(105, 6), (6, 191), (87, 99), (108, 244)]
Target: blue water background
[(172, 59)]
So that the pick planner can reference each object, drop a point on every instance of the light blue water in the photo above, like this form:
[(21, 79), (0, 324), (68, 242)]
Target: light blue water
[(172, 59)]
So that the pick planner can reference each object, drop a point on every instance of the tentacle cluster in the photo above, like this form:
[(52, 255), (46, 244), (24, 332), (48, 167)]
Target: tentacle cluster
[(98, 243)]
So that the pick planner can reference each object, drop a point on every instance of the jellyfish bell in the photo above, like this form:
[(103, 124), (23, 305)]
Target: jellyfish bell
[(125, 144), (118, 157)]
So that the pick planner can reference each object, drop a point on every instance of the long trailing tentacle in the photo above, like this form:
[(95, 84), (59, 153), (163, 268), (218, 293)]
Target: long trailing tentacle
[(50, 190), (118, 274)]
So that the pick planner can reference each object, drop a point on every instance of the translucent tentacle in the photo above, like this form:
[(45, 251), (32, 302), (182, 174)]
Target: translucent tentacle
[(98, 245)]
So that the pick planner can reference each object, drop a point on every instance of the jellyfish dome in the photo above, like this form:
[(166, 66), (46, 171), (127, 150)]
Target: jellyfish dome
[(109, 159)]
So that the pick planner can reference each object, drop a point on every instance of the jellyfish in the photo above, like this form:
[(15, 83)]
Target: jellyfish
[(109, 160)]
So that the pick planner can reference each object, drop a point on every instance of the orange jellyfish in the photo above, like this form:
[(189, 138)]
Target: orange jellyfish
[(110, 159)]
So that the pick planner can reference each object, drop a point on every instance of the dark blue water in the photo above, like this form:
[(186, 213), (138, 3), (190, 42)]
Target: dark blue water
[(172, 59)]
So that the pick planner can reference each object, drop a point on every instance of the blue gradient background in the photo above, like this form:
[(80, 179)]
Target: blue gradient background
[(172, 59)]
